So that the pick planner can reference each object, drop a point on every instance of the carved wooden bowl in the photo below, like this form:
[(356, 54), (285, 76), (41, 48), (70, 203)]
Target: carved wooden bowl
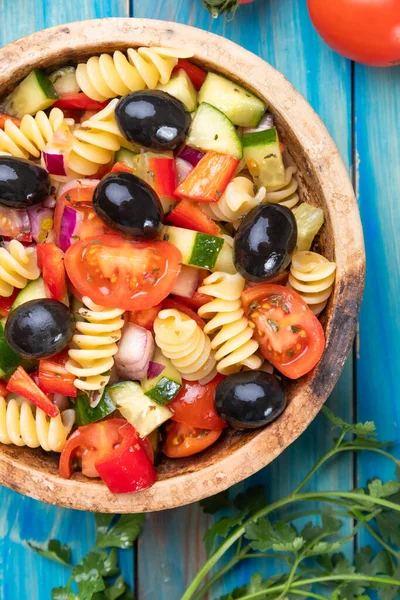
[(324, 181)]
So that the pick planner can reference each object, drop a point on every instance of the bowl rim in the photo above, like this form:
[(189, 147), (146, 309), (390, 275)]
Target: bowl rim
[(321, 159)]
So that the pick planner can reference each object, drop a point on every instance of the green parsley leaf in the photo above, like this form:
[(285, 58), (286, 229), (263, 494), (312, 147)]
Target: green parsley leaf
[(63, 593), (256, 585), (251, 500), (121, 534), (377, 489), (215, 503), (53, 550), (116, 590), (389, 525), (363, 429), (110, 563), (220, 528), (261, 535), (390, 592), (88, 574)]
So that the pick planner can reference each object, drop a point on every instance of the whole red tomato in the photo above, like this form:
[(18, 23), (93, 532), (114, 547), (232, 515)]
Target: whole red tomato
[(366, 31)]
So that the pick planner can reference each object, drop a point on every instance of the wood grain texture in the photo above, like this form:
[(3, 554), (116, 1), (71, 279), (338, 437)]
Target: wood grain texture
[(24, 574)]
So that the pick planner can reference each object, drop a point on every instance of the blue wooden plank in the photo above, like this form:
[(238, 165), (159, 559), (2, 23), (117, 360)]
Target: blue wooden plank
[(24, 574), (378, 183), (170, 553)]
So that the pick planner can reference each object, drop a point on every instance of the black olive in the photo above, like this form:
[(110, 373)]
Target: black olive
[(154, 119), (128, 204), (22, 183), (39, 328), (265, 242), (250, 399)]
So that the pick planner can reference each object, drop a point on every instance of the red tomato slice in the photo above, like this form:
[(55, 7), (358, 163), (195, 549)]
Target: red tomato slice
[(145, 318), (194, 405), (88, 224), (189, 215), (4, 118), (289, 334), (54, 377), (51, 263), (196, 75), (183, 440), (119, 274), (197, 299), (121, 167), (21, 383), (79, 101), (170, 303), (3, 388)]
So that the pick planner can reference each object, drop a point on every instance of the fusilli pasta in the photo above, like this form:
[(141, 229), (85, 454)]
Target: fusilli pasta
[(286, 195), (312, 276), (23, 424), (237, 200), (32, 135), (105, 76), (95, 141), (17, 265), (182, 341), (94, 345), (229, 328)]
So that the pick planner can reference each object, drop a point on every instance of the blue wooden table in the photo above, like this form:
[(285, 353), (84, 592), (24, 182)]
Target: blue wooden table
[(360, 107)]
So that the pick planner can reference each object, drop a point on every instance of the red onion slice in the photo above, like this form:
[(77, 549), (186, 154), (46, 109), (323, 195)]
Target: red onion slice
[(54, 163), (187, 282), (183, 168), (135, 350), (191, 155), (41, 219), (154, 370), (70, 219)]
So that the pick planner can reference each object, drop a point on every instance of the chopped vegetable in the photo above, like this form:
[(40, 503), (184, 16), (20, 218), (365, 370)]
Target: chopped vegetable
[(21, 383), (189, 215), (135, 350), (209, 179)]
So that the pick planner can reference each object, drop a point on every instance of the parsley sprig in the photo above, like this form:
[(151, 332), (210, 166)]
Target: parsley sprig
[(312, 554), (218, 7)]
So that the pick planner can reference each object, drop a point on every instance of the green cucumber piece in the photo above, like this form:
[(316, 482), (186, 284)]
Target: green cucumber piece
[(64, 81), (197, 249), (85, 414), (180, 87), (143, 413), (263, 158), (212, 130), (126, 157), (241, 106), (309, 221), (9, 360), (34, 290), (163, 388), (34, 93)]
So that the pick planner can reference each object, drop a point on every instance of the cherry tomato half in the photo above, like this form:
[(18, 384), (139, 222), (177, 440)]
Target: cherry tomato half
[(183, 440), (51, 263), (120, 274), (194, 405), (289, 334)]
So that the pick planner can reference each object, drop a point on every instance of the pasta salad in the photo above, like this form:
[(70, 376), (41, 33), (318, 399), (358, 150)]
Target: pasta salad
[(157, 282)]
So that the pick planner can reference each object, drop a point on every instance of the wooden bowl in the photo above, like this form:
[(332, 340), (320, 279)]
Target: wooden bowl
[(324, 181)]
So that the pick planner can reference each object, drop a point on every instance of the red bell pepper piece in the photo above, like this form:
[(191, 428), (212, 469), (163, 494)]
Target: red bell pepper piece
[(188, 215), (51, 263), (163, 177), (195, 74), (145, 318), (209, 179), (172, 303), (4, 118), (6, 303), (79, 101), (127, 468), (3, 388), (121, 167), (54, 377), (21, 383)]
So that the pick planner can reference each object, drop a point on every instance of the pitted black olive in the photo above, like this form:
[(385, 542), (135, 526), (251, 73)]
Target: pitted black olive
[(22, 183)]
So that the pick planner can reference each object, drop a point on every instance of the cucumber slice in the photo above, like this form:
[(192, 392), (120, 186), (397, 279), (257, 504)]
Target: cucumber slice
[(126, 157), (137, 408), (33, 291), (309, 221), (85, 414), (240, 106), (263, 158), (34, 93), (163, 388), (64, 81), (197, 249), (9, 360), (181, 88), (212, 130)]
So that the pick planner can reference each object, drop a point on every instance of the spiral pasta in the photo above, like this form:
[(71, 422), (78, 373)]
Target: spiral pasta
[(94, 345), (104, 77), (17, 265), (237, 200), (33, 134), (312, 276), (182, 341), (286, 195), (94, 143), (23, 424), (232, 335)]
